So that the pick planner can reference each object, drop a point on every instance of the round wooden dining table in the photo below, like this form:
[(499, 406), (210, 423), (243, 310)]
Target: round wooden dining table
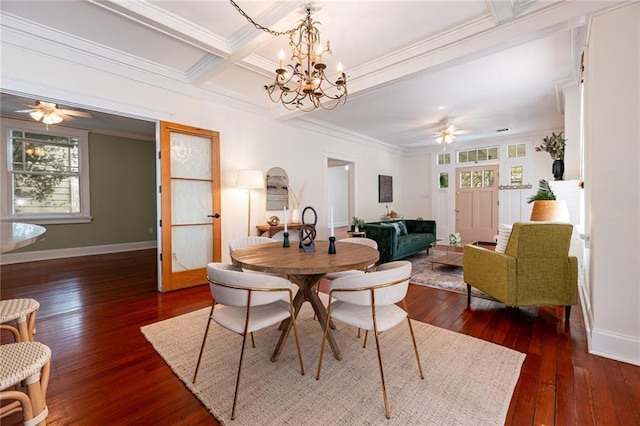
[(305, 269)]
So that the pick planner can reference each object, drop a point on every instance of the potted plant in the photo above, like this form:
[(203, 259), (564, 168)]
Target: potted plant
[(554, 145), (545, 205), (544, 193), (357, 223)]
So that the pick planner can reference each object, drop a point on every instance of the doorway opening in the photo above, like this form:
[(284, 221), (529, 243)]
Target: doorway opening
[(341, 192)]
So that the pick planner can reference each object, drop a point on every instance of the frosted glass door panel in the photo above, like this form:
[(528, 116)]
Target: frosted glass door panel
[(191, 201), (191, 247), (190, 156)]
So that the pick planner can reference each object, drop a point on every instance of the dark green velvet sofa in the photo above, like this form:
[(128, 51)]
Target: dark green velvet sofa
[(393, 244)]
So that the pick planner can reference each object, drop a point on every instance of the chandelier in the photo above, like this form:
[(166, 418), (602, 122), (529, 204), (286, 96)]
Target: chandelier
[(304, 84)]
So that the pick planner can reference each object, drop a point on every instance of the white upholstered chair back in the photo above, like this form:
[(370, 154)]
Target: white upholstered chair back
[(364, 241), (227, 284), (248, 241), (390, 282)]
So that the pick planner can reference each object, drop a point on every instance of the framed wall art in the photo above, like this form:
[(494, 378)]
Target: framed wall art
[(385, 189)]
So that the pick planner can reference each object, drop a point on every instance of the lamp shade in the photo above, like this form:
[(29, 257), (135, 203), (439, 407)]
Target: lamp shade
[(249, 179), (550, 211)]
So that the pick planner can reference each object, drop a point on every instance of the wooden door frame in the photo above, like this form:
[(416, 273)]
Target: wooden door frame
[(186, 278)]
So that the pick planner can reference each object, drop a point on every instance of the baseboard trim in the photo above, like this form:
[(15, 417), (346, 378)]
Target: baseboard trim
[(615, 346), (587, 315), (33, 256)]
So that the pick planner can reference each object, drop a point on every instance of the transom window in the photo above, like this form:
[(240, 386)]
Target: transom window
[(478, 155), (47, 173), (444, 158)]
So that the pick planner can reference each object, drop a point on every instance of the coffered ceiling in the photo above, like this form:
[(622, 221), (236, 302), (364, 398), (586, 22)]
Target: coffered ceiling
[(481, 65)]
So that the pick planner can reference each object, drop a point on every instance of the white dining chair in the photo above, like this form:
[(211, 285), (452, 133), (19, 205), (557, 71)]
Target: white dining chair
[(368, 301), (243, 242), (364, 241), (334, 275), (244, 303), (248, 241)]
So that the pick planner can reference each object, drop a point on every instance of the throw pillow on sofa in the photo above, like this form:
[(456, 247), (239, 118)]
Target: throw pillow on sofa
[(504, 232), (400, 227)]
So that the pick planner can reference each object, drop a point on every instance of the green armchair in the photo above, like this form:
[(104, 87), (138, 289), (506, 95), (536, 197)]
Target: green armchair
[(535, 269)]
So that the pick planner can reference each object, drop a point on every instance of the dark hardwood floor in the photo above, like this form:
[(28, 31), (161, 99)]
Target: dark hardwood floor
[(105, 372)]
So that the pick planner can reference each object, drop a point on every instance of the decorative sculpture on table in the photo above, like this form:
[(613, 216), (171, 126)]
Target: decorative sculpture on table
[(308, 231), (273, 220)]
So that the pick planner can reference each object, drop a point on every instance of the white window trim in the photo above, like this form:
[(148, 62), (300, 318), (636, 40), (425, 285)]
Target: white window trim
[(5, 187)]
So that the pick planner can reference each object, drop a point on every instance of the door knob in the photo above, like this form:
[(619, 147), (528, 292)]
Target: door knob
[(215, 215)]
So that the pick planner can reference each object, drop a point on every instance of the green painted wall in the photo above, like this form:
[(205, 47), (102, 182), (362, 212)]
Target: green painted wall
[(123, 197)]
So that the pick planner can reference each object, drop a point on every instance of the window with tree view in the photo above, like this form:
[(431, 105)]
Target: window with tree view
[(45, 179)]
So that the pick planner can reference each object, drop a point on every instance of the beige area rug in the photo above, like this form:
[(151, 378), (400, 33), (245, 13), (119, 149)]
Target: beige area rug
[(467, 381), (444, 277)]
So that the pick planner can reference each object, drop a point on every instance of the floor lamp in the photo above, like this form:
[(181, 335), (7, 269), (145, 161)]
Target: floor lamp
[(249, 179)]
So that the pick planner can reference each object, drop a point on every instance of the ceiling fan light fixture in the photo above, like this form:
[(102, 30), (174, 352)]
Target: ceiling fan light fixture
[(36, 115), (51, 118)]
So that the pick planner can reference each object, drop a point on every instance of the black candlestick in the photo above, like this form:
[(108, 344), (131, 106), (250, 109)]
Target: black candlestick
[(285, 242), (332, 245)]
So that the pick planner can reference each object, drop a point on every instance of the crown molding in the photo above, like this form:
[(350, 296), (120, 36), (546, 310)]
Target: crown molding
[(21, 32), (172, 25)]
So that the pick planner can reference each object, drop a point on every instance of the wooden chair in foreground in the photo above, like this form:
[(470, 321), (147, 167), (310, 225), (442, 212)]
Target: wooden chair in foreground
[(368, 301), (534, 270), (244, 303), (23, 312), (28, 364)]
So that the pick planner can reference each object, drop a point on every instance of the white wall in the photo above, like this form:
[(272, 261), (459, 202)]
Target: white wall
[(248, 140), (612, 140), (572, 132)]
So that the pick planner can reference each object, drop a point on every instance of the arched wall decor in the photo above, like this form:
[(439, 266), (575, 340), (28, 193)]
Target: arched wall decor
[(277, 184)]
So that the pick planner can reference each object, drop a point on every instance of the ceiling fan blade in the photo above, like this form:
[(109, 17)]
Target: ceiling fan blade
[(27, 110), (74, 113), (64, 115)]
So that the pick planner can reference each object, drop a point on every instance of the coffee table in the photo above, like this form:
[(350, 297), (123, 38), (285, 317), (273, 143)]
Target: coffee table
[(451, 257)]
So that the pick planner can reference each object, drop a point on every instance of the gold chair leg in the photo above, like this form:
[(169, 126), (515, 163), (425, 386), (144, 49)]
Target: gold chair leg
[(235, 395), (253, 342), (324, 338), (384, 388), (413, 339), (366, 334), (204, 339), (295, 334)]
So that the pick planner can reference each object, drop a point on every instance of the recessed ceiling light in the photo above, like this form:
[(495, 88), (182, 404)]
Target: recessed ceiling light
[(504, 129), (441, 107)]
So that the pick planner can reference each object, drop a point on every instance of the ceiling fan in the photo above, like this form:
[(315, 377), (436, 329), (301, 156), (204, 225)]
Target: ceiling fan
[(49, 113), (447, 133)]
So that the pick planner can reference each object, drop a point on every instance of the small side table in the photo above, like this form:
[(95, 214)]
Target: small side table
[(271, 230), (359, 234)]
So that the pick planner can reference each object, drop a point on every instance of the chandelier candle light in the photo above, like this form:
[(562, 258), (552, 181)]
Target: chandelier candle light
[(303, 84)]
